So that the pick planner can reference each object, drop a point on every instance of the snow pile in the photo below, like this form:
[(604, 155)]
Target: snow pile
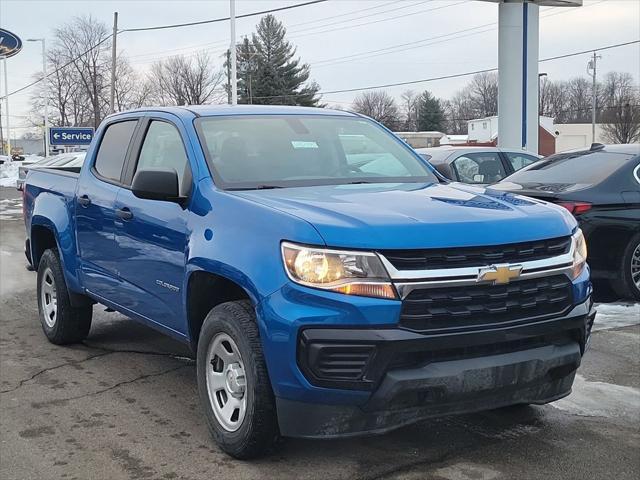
[(9, 174), (616, 315), (599, 399)]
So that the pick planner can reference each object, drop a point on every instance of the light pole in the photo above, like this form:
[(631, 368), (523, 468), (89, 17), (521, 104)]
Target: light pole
[(46, 93), (592, 69), (540, 106), (234, 78), (6, 105)]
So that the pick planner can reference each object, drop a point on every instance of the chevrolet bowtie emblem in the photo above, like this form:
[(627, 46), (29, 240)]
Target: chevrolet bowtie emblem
[(499, 274)]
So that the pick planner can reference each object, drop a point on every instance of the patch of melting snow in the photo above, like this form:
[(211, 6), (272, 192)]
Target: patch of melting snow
[(616, 315), (467, 471), (8, 174), (600, 399)]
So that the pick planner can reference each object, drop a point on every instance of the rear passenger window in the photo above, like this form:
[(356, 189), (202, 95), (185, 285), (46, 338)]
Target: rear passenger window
[(113, 149)]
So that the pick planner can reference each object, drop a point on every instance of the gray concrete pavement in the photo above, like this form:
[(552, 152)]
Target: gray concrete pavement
[(124, 406)]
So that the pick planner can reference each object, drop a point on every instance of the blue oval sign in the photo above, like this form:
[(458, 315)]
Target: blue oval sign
[(10, 44)]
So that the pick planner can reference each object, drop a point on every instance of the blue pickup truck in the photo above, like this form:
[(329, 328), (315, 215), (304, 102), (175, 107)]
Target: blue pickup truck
[(328, 280)]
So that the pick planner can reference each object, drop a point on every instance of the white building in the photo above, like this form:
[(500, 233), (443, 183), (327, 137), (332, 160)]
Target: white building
[(424, 139), (577, 135)]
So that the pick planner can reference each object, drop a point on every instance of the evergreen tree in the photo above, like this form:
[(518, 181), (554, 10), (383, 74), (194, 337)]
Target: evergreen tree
[(431, 115), (269, 73)]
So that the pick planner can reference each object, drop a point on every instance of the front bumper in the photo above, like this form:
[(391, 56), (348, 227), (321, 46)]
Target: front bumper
[(442, 374)]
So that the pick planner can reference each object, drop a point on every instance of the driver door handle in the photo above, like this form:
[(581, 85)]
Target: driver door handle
[(124, 213), (84, 200)]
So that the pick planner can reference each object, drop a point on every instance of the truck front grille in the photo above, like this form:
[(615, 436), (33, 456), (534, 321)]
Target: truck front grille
[(435, 258), (467, 307)]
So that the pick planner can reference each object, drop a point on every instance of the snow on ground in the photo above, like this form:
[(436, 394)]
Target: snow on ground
[(600, 399), (616, 315), (9, 174), (10, 208)]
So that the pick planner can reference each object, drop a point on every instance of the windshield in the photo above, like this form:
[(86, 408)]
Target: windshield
[(271, 151), (584, 168)]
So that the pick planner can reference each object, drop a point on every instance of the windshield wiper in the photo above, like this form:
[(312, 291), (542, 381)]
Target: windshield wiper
[(266, 187), (359, 182)]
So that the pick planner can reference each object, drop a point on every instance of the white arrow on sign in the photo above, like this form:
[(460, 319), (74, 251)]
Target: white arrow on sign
[(56, 136)]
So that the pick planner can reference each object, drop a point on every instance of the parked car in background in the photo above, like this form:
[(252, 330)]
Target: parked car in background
[(601, 188), (67, 160), (479, 165)]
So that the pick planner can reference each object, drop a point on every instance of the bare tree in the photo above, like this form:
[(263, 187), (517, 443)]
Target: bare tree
[(483, 93), (131, 91), (181, 80), (378, 105), (83, 43), (410, 103), (554, 100), (458, 111), (621, 114)]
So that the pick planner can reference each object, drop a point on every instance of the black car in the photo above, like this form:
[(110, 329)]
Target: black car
[(601, 188), (479, 165)]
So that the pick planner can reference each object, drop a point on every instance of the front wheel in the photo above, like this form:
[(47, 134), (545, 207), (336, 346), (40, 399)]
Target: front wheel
[(628, 283), (61, 322), (233, 383)]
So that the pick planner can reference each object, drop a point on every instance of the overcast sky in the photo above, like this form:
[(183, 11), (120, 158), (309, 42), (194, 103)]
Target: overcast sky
[(326, 32)]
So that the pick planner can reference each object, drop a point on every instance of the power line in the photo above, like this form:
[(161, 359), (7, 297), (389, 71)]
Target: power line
[(448, 77), (296, 34), (418, 43), (222, 19), (289, 7), (59, 68), (381, 20), (217, 42)]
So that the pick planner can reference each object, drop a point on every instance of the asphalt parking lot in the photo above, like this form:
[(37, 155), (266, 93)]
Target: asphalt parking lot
[(123, 405)]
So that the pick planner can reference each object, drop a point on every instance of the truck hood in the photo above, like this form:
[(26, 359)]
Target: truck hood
[(409, 215)]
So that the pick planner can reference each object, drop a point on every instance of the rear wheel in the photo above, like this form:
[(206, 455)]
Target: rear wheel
[(233, 383), (628, 283), (61, 322)]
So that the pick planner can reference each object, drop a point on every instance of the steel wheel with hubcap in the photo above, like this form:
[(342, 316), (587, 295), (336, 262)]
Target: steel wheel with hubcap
[(226, 382), (233, 383), (62, 321), (49, 298)]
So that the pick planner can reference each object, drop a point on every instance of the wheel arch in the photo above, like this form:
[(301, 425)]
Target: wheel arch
[(205, 290)]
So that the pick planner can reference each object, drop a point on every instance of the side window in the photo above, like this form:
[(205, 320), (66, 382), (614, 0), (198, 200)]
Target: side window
[(163, 148), (520, 160), (113, 149), (479, 168)]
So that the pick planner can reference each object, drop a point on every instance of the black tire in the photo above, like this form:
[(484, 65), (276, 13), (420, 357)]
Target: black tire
[(624, 285), (69, 324), (258, 431)]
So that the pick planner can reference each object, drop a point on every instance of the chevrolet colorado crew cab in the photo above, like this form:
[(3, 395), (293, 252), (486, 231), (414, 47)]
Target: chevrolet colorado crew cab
[(329, 281)]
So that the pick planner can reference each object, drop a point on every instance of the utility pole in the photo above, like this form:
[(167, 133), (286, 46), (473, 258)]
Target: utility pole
[(592, 68), (234, 77), (112, 104), (6, 107)]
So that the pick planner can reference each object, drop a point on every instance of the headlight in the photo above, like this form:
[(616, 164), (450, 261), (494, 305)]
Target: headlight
[(351, 273), (579, 253)]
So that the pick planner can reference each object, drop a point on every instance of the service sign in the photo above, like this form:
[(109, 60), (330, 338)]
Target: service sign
[(70, 135), (10, 44)]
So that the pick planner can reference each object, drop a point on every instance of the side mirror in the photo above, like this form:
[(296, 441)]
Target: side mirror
[(156, 184)]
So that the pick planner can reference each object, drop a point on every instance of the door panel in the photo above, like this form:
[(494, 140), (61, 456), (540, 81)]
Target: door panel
[(152, 235), (152, 250), (95, 203)]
